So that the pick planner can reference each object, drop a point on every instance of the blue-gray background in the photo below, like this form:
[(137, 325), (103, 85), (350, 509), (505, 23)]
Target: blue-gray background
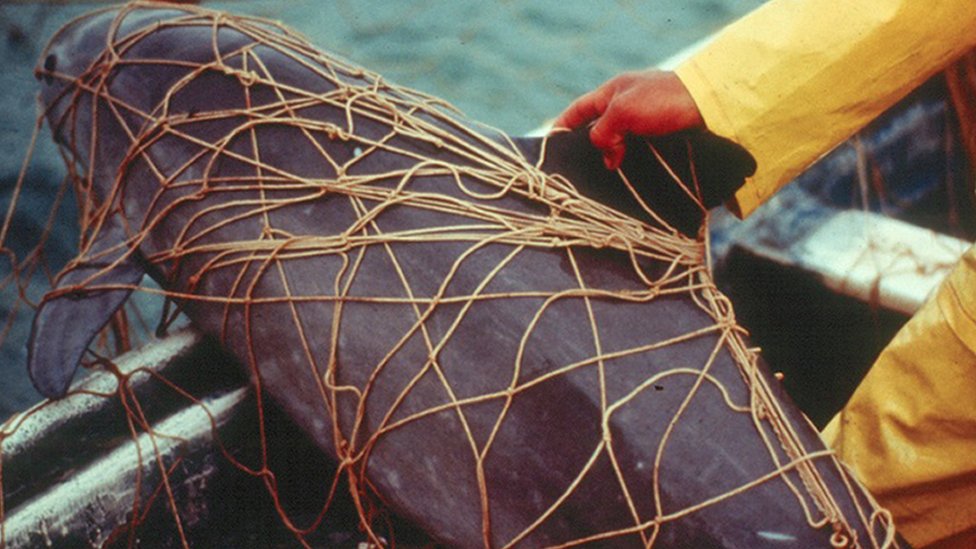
[(506, 63)]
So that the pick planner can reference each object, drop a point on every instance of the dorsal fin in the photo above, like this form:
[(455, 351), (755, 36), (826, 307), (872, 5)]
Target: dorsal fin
[(66, 322), (720, 167)]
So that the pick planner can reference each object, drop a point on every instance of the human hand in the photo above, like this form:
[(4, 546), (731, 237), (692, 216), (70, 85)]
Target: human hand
[(644, 103)]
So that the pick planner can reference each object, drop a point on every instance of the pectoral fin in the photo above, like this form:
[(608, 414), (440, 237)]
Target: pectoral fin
[(66, 323)]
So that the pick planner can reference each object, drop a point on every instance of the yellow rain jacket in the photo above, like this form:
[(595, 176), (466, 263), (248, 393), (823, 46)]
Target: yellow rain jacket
[(790, 82)]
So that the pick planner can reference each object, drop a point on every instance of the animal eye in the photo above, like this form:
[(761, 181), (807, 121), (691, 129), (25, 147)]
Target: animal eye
[(50, 62)]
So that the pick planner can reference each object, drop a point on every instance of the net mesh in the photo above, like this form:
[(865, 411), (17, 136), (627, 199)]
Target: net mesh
[(387, 269)]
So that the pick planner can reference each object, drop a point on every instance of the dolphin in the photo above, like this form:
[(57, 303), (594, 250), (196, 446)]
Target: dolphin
[(495, 383)]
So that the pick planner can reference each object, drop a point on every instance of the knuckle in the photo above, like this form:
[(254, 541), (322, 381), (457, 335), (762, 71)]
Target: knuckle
[(604, 138), (625, 79)]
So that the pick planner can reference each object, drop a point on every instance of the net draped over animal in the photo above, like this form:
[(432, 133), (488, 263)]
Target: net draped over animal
[(480, 340)]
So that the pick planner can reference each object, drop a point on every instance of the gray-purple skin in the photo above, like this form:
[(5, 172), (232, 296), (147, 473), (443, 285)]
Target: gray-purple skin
[(425, 469)]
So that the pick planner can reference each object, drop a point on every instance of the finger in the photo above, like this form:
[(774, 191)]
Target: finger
[(610, 129), (605, 136), (613, 157), (586, 108)]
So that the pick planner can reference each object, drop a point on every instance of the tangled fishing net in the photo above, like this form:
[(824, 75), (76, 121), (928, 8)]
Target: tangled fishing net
[(445, 318)]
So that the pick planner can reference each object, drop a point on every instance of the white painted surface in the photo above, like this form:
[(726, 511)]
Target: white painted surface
[(104, 490), (877, 259), (20, 433)]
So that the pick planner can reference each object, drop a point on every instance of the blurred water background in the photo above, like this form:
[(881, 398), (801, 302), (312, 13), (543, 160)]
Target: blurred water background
[(506, 63)]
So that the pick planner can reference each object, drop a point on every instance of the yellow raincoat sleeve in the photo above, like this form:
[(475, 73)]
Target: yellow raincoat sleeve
[(795, 78), (909, 430), (791, 81)]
